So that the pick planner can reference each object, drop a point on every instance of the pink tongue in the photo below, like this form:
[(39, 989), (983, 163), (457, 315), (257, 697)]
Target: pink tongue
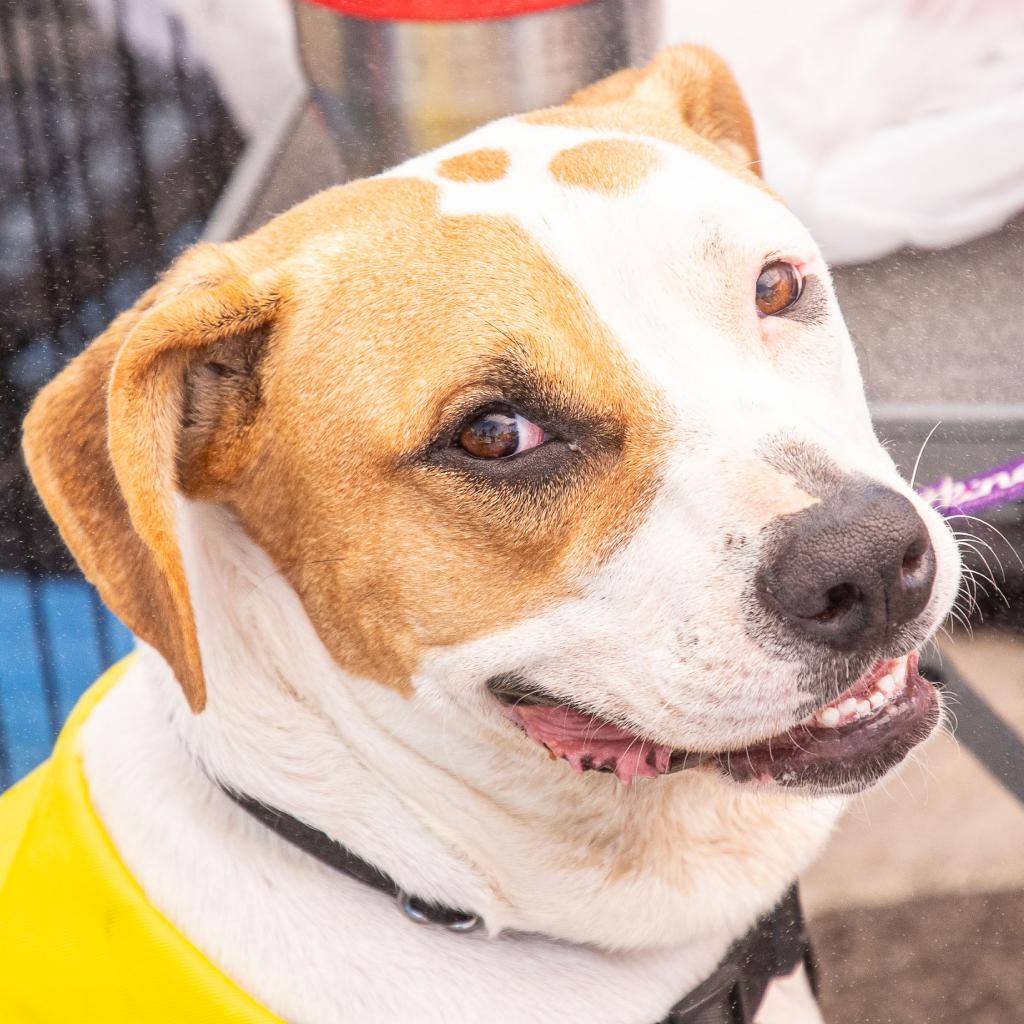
[(589, 743)]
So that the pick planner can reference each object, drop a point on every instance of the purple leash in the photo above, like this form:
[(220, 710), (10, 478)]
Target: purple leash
[(1000, 486), (990, 739)]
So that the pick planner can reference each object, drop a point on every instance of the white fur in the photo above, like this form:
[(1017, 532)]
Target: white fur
[(451, 814), (601, 904)]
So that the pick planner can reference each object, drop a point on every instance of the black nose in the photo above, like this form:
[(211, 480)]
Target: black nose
[(851, 570)]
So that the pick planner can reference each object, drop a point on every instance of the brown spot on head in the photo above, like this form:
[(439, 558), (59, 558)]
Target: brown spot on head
[(686, 96), (480, 165), (605, 165)]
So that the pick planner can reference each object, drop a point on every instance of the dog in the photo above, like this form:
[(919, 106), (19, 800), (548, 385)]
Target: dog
[(513, 519)]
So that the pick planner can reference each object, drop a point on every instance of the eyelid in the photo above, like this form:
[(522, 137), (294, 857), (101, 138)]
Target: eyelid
[(808, 260), (506, 408), (814, 266)]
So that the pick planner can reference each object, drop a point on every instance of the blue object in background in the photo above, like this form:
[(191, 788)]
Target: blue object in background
[(56, 637)]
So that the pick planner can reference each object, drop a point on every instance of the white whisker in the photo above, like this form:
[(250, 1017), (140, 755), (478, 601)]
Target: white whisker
[(999, 533), (917, 461)]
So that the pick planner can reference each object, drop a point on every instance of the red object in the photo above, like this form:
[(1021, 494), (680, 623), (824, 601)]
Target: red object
[(441, 10)]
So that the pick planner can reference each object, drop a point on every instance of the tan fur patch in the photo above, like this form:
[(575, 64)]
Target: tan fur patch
[(390, 554), (643, 838), (481, 165), (765, 494), (324, 450), (605, 165)]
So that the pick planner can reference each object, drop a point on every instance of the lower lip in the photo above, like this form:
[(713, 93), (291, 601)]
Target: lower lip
[(875, 724)]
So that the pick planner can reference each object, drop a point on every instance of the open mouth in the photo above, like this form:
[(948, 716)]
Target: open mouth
[(842, 746)]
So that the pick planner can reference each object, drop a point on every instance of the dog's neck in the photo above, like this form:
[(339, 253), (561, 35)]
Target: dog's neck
[(455, 810)]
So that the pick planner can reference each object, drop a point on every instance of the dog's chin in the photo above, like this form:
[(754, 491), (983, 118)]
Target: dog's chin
[(841, 747)]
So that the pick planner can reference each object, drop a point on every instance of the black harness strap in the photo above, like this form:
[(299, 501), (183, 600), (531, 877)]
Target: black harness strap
[(774, 947)]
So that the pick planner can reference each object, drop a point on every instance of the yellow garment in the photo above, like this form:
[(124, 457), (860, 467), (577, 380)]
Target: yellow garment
[(79, 941)]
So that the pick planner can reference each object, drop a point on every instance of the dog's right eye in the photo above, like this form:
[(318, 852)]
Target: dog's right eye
[(500, 435)]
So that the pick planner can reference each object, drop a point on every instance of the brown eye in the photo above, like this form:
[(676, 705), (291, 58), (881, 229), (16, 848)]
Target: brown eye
[(497, 435), (778, 287)]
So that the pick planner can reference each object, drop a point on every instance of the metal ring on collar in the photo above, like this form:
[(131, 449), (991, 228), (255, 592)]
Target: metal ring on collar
[(413, 909), (469, 923)]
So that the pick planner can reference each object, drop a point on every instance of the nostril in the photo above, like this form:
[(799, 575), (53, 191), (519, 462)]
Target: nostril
[(913, 558), (838, 600)]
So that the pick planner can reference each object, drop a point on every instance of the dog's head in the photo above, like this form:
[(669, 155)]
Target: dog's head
[(560, 424)]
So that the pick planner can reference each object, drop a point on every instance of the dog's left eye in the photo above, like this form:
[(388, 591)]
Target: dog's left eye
[(499, 435), (778, 286)]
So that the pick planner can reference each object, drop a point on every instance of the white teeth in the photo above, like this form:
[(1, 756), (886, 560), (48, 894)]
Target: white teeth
[(854, 708)]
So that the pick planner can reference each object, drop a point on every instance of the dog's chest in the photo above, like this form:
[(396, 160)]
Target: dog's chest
[(314, 946), (396, 971)]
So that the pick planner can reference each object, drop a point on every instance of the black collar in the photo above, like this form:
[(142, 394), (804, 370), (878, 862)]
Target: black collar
[(330, 852), (776, 944)]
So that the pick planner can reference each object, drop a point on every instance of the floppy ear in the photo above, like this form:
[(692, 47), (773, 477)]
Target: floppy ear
[(697, 86), (115, 435)]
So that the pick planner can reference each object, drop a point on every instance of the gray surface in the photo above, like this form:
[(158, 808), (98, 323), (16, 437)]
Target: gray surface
[(942, 960), (940, 337), (945, 326)]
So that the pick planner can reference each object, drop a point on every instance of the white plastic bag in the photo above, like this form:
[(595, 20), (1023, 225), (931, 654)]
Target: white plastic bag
[(883, 123)]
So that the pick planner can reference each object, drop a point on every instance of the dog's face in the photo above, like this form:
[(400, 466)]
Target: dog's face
[(559, 425)]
